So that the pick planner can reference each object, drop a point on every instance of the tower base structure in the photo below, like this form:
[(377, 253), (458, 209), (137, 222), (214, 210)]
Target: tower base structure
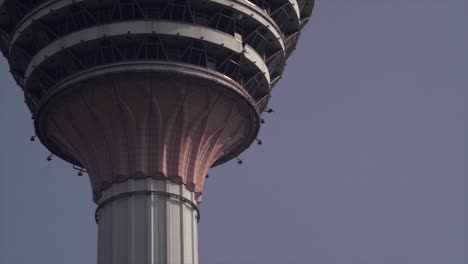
[(147, 221)]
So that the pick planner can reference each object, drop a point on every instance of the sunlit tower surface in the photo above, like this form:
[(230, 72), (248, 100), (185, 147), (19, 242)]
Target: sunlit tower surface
[(145, 96)]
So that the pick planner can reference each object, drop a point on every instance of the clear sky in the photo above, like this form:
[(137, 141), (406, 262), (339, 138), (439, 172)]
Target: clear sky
[(364, 161)]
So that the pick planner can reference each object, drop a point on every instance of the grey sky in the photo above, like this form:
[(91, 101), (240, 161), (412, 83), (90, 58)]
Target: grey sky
[(365, 161)]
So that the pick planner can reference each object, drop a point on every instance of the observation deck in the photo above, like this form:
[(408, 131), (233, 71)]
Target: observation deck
[(247, 41)]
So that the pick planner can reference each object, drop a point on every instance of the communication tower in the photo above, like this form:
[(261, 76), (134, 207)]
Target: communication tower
[(145, 96)]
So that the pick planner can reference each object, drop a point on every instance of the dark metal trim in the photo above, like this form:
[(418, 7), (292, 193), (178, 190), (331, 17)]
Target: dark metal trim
[(145, 192)]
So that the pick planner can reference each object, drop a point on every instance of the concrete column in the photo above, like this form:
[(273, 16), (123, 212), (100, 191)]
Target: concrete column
[(147, 222)]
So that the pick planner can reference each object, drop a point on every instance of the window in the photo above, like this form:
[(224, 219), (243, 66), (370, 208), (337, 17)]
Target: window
[(177, 10), (224, 21), (281, 15), (195, 54)]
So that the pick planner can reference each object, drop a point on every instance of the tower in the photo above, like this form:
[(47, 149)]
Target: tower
[(145, 96)]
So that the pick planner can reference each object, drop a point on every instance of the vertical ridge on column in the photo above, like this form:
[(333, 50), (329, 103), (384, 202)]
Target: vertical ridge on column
[(150, 225), (131, 225)]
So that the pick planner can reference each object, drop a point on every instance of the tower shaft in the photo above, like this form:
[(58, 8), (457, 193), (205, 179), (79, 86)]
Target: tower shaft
[(147, 221)]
